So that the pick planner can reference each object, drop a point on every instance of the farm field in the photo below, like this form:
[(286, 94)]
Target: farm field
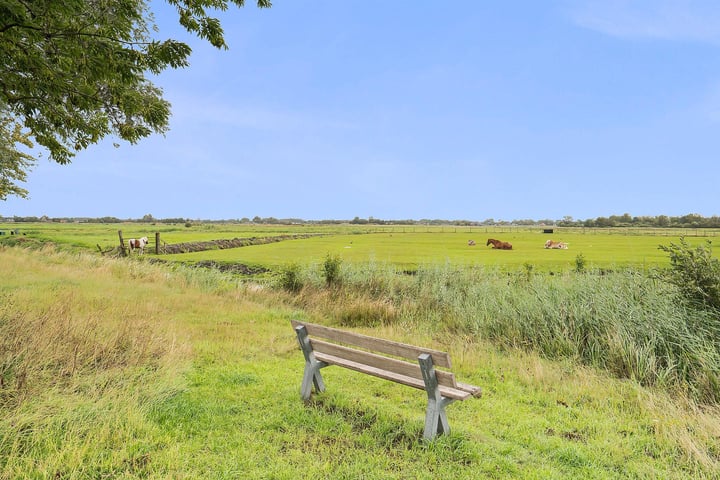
[(404, 246), (413, 249), (90, 235)]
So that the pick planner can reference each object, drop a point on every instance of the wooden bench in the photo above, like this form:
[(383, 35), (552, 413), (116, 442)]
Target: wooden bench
[(325, 346)]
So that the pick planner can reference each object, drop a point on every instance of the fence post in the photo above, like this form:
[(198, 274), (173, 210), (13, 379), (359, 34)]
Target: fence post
[(157, 243), (122, 244)]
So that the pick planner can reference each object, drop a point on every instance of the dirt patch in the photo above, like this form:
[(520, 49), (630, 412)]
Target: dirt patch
[(189, 247), (231, 267)]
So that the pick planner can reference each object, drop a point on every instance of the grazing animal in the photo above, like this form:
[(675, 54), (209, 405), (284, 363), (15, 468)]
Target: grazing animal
[(471, 243), (552, 244), (138, 243), (499, 244)]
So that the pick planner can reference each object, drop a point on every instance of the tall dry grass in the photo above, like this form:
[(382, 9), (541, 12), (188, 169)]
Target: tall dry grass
[(87, 346), (58, 322), (49, 343)]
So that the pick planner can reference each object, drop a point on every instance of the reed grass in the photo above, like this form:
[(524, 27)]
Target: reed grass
[(628, 322)]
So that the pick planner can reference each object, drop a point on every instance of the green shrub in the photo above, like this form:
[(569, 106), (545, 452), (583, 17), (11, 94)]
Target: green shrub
[(528, 270), (695, 272), (580, 263), (290, 278), (331, 269)]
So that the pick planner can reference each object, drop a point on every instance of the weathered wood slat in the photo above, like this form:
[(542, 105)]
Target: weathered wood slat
[(389, 347), (472, 389), (400, 367), (449, 392)]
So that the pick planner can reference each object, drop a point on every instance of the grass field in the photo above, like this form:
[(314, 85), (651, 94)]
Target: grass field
[(121, 368), (117, 369), (398, 245), (412, 249)]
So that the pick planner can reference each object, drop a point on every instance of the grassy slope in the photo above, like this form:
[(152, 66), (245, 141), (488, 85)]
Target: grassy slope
[(220, 397)]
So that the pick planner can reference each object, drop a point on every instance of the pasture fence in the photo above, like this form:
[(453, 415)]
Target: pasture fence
[(124, 250), (508, 229)]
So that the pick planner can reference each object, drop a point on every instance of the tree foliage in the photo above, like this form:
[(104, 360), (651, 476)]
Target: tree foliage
[(75, 71), (14, 163)]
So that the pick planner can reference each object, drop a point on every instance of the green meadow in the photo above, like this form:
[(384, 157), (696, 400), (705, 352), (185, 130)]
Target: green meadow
[(116, 367), (412, 249), (106, 235), (405, 246)]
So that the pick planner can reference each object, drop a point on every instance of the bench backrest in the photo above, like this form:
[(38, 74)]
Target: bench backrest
[(363, 353)]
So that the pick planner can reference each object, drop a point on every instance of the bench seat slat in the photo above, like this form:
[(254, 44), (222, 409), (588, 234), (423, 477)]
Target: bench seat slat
[(400, 367), (449, 392), (411, 352)]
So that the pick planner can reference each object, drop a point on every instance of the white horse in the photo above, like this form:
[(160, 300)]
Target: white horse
[(551, 244), (138, 243)]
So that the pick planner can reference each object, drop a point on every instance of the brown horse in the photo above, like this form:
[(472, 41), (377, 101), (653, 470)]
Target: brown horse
[(498, 244)]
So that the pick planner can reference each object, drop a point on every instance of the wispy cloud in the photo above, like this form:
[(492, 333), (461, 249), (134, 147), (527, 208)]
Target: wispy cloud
[(679, 20)]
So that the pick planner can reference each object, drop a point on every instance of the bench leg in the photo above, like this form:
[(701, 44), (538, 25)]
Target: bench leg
[(436, 421), (312, 375)]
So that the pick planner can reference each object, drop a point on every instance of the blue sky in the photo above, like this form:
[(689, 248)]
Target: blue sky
[(471, 109)]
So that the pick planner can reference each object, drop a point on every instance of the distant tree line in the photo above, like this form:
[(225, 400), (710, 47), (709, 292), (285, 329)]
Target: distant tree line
[(46, 219), (692, 220)]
